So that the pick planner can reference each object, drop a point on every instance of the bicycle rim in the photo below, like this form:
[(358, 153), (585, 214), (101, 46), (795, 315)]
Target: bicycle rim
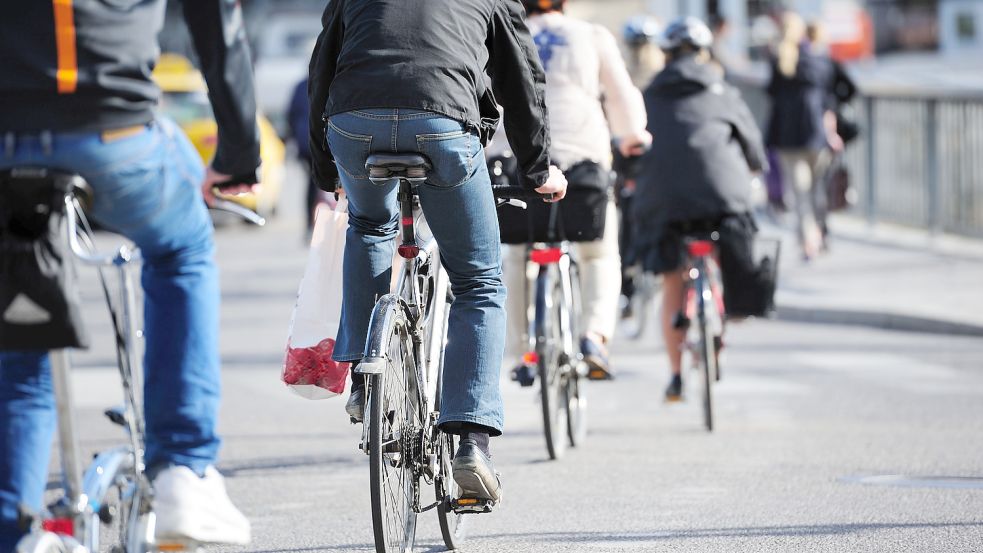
[(452, 526), (574, 384), (392, 436), (708, 358), (551, 388)]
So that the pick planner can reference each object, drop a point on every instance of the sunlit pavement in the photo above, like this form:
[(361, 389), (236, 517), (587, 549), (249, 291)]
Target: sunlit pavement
[(829, 438)]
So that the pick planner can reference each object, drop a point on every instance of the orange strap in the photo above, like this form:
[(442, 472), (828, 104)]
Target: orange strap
[(68, 69)]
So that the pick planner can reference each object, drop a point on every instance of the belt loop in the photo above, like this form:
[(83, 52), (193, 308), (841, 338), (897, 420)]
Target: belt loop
[(46, 141), (9, 143)]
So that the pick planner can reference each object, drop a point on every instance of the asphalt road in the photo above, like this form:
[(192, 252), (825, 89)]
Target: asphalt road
[(806, 414)]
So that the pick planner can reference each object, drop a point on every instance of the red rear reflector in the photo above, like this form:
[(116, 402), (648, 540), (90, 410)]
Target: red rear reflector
[(530, 358), (407, 221), (408, 251), (546, 257), (63, 526), (700, 248)]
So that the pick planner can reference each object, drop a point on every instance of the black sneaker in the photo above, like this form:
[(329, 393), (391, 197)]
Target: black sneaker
[(524, 375), (674, 391), (356, 404), (475, 474)]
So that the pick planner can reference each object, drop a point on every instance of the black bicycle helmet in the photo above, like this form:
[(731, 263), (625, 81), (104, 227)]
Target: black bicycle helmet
[(542, 6), (688, 31), (641, 30)]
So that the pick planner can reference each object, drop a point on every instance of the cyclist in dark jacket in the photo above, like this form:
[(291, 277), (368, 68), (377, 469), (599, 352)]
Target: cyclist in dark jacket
[(423, 76), (698, 173), (76, 94)]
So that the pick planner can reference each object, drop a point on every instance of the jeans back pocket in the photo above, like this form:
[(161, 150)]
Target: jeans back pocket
[(452, 156), (349, 149)]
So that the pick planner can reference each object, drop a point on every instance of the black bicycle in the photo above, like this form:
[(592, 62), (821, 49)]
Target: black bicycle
[(552, 333)]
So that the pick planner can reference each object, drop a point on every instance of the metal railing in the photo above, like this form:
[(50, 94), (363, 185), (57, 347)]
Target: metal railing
[(919, 158)]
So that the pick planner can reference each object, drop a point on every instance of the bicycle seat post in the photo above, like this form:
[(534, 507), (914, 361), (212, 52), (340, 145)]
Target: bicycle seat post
[(411, 170)]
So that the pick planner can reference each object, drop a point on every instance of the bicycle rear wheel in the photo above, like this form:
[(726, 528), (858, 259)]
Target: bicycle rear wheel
[(452, 527), (393, 439), (707, 351), (549, 345)]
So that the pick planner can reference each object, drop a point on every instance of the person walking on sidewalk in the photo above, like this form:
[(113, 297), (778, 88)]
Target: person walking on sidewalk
[(697, 176), (76, 95), (417, 76), (802, 128), (591, 98)]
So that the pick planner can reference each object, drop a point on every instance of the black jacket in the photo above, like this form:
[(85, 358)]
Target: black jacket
[(459, 59), (799, 102), (705, 145), (95, 74)]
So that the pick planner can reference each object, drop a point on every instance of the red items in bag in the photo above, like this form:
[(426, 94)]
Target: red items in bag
[(308, 369)]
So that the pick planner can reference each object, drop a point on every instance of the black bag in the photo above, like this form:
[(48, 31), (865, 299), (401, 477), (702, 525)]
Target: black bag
[(39, 306), (748, 267), (581, 215)]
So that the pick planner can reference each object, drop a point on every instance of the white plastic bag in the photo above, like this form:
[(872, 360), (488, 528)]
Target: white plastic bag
[(308, 369)]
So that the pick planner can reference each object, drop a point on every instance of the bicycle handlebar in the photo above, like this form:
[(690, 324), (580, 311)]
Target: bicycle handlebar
[(511, 192)]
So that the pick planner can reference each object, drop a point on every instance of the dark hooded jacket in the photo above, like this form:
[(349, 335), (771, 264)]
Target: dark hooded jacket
[(705, 145), (799, 102), (460, 59)]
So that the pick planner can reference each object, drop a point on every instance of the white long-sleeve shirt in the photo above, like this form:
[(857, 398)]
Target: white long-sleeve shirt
[(589, 93)]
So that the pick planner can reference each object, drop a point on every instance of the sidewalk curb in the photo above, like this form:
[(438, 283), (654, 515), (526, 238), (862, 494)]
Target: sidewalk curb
[(874, 319)]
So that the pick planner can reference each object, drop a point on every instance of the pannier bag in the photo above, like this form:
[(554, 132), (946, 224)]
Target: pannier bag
[(749, 268), (581, 214), (39, 305)]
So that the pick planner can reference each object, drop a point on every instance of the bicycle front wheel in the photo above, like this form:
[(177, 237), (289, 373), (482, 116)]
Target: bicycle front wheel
[(549, 346), (575, 388), (393, 438)]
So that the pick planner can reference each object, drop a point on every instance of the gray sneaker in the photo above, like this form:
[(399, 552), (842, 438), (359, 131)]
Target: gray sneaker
[(475, 474), (356, 405)]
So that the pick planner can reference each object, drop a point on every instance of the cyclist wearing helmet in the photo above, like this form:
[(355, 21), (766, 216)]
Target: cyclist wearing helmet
[(590, 97), (419, 76), (76, 95), (697, 175), (640, 34)]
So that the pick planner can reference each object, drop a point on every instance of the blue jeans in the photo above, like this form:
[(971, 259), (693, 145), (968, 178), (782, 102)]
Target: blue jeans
[(458, 203), (146, 188)]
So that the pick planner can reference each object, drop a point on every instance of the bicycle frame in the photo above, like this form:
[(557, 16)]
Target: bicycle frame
[(422, 307)]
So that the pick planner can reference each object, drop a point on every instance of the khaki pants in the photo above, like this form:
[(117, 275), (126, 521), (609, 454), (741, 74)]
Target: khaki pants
[(600, 285), (802, 171)]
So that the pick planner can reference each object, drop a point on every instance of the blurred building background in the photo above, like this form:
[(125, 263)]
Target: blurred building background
[(918, 63)]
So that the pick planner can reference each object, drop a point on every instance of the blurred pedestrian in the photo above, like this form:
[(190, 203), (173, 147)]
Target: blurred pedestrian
[(298, 115), (802, 128)]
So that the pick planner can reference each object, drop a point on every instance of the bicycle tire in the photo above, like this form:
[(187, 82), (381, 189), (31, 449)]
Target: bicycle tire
[(549, 349), (452, 527), (707, 353), (574, 389), (390, 407)]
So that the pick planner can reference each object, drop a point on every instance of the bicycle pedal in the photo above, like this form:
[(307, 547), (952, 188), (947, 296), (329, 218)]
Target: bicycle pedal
[(472, 505)]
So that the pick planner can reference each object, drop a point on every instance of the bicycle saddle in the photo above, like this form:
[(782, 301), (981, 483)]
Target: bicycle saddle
[(384, 167)]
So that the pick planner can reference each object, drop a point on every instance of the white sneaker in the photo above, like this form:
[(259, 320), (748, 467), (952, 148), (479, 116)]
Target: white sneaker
[(197, 509)]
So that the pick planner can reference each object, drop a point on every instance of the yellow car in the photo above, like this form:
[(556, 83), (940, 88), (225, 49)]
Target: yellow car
[(185, 99)]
